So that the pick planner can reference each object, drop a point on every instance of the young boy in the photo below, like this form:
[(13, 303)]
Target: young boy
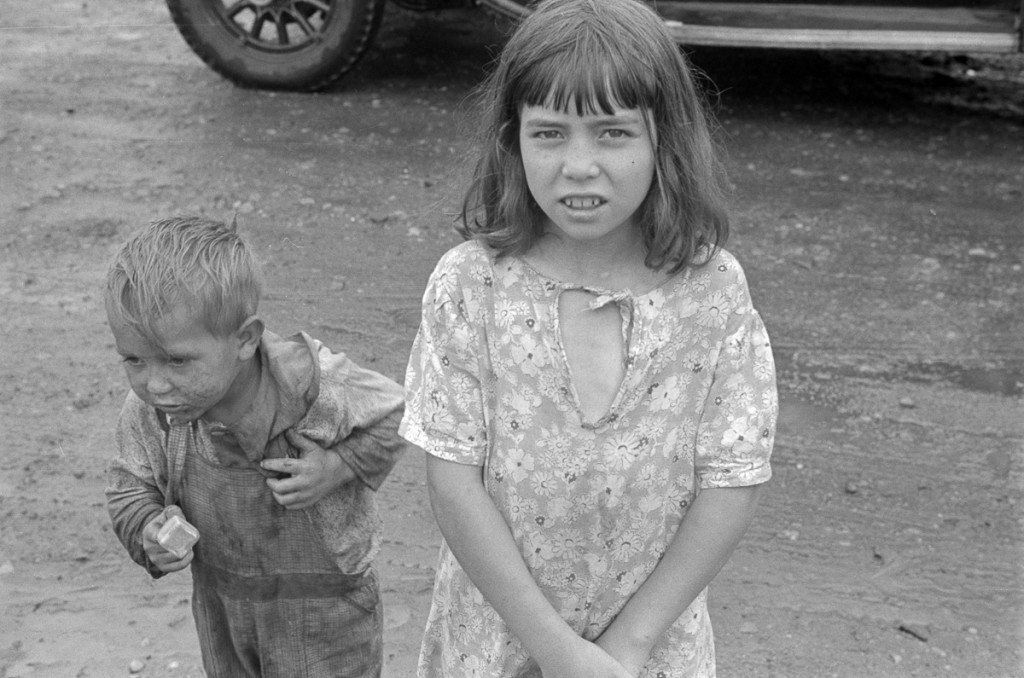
[(271, 448)]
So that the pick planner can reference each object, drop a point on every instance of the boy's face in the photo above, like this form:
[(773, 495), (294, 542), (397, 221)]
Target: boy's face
[(190, 373)]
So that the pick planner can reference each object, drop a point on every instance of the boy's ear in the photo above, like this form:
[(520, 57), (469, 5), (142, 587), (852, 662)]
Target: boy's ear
[(249, 334)]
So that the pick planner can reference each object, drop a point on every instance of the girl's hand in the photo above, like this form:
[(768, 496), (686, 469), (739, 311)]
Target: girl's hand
[(315, 474), (630, 657), (583, 659), (162, 559)]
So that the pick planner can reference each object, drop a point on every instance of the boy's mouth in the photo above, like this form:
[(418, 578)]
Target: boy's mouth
[(177, 414)]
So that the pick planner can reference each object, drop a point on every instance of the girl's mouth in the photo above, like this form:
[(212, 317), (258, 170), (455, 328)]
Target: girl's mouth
[(582, 203)]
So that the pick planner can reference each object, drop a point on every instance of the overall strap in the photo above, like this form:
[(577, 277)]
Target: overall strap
[(176, 448)]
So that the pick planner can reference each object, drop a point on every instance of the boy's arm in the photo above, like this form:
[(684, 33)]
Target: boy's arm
[(351, 432), (373, 450), (132, 506), (134, 496), (372, 410), (366, 455)]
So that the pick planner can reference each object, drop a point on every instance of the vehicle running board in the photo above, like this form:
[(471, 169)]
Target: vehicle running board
[(985, 27)]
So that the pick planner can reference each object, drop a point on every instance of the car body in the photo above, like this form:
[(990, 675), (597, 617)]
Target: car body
[(309, 44)]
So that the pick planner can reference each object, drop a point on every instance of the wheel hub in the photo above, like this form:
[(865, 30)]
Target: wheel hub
[(277, 25)]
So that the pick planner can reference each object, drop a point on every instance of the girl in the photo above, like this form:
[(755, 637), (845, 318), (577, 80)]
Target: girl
[(591, 383)]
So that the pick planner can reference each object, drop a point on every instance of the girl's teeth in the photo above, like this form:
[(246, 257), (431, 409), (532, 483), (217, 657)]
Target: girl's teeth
[(582, 203)]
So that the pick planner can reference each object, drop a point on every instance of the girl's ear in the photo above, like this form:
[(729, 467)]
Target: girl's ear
[(249, 334)]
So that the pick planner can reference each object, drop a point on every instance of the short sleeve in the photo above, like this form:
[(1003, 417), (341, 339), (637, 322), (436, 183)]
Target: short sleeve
[(737, 428), (444, 384)]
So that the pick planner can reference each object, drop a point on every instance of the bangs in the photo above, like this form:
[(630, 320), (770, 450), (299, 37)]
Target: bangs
[(588, 76), (592, 58)]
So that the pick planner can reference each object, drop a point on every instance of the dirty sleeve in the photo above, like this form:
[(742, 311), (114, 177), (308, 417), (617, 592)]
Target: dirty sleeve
[(136, 477), (366, 408)]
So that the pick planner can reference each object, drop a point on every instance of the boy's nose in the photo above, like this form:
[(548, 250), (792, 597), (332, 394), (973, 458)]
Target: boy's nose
[(157, 383)]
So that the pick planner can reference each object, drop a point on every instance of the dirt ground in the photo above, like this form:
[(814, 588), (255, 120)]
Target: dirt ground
[(878, 213)]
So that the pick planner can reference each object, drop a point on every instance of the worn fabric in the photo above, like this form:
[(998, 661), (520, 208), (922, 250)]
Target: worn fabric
[(258, 550), (312, 638), (592, 505), (268, 598)]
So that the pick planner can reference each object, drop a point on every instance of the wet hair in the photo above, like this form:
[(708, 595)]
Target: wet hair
[(191, 261), (587, 57)]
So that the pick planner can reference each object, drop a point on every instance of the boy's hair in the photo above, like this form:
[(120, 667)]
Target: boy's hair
[(198, 262), (586, 56)]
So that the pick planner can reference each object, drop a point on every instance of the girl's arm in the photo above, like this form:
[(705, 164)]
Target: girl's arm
[(707, 536), (733, 444), (481, 541)]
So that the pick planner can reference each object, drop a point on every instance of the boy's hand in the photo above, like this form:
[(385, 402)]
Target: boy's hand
[(162, 559), (316, 473)]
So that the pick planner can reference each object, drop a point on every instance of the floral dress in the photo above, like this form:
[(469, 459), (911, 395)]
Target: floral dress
[(592, 505)]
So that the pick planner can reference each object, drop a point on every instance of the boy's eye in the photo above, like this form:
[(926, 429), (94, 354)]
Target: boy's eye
[(131, 360), (175, 362)]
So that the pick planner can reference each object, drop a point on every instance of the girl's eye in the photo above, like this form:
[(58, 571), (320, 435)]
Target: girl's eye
[(616, 133), (547, 134)]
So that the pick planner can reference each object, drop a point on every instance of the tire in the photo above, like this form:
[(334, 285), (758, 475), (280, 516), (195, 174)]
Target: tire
[(301, 45)]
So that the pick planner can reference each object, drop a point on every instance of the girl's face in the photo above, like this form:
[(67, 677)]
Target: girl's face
[(588, 173)]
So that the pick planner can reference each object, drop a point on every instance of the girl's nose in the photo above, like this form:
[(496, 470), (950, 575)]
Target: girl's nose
[(580, 162)]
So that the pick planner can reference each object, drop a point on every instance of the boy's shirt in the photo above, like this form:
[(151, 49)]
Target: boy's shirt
[(304, 386)]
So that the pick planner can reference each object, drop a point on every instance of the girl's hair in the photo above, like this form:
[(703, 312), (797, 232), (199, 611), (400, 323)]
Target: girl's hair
[(588, 56), (197, 262)]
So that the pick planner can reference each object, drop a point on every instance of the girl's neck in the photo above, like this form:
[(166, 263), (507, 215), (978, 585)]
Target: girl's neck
[(609, 265)]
